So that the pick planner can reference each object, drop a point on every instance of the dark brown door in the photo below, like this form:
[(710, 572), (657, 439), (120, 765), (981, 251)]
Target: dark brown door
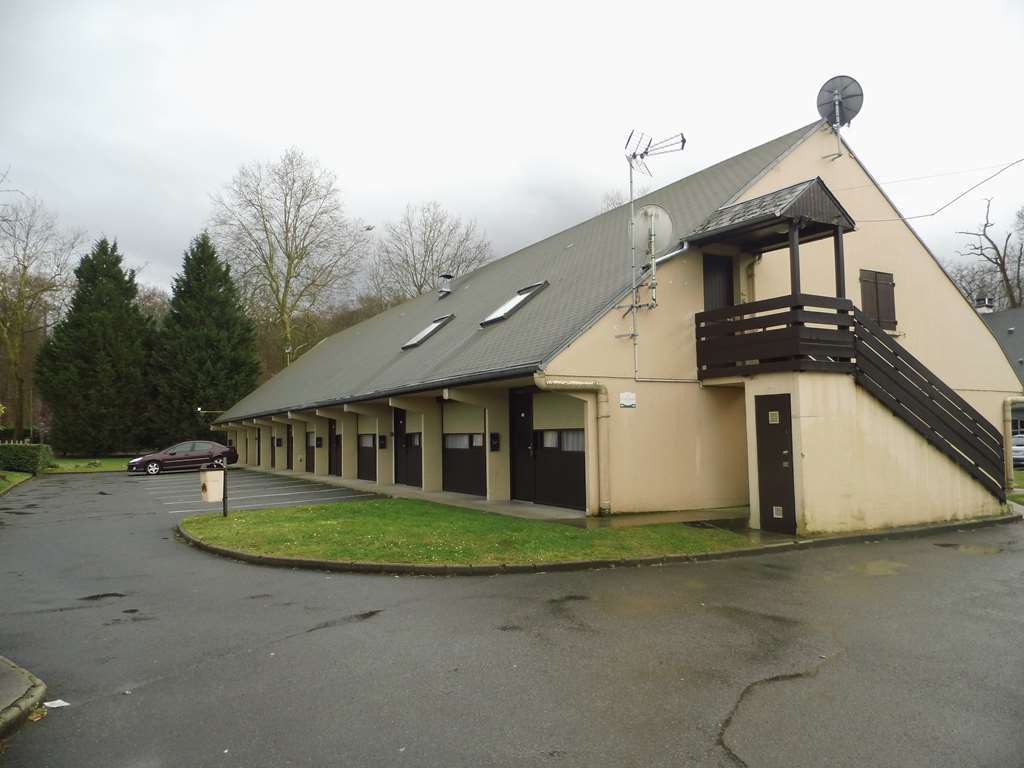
[(520, 416), (258, 462), (310, 451), (464, 463), (408, 454), (366, 459), (718, 287), (290, 446), (775, 463), (333, 448), (560, 468), (273, 450)]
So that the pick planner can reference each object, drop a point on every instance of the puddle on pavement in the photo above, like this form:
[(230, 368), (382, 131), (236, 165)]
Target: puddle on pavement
[(878, 568), (973, 549), (102, 595)]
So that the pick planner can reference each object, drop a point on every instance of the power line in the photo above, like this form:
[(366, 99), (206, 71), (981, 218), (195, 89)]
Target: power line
[(944, 207), (920, 178)]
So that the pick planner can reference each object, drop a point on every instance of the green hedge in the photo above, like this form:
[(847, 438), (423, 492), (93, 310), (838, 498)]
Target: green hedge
[(25, 457)]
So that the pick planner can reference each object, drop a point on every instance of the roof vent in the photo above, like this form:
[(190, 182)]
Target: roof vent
[(445, 287)]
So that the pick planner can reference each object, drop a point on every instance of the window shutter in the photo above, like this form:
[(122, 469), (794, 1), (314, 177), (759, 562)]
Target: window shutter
[(886, 300), (868, 294), (878, 297)]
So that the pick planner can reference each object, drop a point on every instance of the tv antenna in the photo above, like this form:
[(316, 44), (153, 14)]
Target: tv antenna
[(639, 147), (839, 101)]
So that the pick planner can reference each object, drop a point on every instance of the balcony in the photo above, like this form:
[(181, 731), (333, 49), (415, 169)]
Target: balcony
[(802, 332)]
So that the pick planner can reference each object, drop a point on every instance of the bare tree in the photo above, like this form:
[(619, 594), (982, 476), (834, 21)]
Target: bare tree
[(976, 280), (35, 275), (284, 228), (154, 302), (1000, 264), (423, 244), (613, 198)]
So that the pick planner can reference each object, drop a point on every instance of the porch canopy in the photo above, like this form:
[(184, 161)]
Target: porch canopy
[(802, 213)]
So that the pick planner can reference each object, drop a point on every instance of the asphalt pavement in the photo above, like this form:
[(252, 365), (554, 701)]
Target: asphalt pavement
[(901, 653)]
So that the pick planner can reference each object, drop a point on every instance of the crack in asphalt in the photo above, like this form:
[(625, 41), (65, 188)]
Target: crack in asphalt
[(764, 681)]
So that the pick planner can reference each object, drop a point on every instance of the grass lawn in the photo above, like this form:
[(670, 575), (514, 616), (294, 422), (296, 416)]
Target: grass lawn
[(10, 479), (411, 531), (89, 465)]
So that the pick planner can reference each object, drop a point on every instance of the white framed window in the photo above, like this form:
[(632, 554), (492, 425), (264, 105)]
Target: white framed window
[(518, 299), (549, 438), (415, 439), (435, 325), (366, 441), (477, 440)]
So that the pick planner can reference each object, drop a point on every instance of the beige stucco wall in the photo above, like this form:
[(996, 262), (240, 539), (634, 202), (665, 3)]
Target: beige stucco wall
[(367, 424), (684, 445), (413, 422), (935, 323), (462, 417), (857, 466), (555, 411)]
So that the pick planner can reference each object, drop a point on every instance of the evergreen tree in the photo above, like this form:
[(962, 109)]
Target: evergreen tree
[(91, 370), (206, 353)]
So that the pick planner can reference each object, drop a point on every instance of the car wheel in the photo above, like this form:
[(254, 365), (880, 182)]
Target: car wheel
[(219, 462), (153, 468)]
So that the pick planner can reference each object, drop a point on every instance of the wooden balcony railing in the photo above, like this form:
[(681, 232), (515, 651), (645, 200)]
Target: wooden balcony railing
[(787, 333)]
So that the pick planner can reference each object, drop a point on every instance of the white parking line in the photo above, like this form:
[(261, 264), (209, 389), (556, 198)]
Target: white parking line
[(233, 488), (266, 495), (231, 507)]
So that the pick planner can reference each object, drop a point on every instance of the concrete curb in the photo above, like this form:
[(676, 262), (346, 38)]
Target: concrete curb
[(423, 569), (13, 714), (10, 488)]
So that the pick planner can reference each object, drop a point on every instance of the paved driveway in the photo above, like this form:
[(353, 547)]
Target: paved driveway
[(178, 493), (889, 654)]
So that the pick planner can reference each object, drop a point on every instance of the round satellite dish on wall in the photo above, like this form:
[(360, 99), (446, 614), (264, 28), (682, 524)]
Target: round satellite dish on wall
[(654, 231), (840, 99)]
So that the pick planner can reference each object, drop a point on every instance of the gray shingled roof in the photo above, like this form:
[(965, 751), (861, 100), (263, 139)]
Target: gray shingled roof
[(811, 200), (587, 267), (1012, 341)]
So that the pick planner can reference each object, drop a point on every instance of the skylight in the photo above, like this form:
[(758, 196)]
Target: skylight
[(427, 332), (518, 299)]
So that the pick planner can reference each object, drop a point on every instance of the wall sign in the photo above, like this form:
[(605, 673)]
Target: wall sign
[(773, 417), (627, 399)]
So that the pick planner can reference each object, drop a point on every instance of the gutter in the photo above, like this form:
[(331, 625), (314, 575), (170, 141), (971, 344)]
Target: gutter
[(604, 503), (1008, 404)]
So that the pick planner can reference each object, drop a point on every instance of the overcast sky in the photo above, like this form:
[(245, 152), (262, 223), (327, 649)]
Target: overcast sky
[(125, 116)]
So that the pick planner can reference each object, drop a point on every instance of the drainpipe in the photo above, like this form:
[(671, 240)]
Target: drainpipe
[(1008, 404), (604, 494)]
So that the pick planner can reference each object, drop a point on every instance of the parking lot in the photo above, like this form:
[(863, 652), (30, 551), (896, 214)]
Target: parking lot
[(891, 653), (178, 493)]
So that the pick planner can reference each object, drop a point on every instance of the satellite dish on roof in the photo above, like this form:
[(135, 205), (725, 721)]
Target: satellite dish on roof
[(839, 100), (653, 229)]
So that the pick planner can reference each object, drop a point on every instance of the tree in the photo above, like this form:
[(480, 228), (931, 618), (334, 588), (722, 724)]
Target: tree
[(996, 264), (205, 353), (613, 198), (154, 303), (35, 255), (283, 227), (91, 369), (425, 243), (976, 280)]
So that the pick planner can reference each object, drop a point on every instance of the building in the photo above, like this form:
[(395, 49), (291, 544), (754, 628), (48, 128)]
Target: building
[(769, 365), (1008, 327)]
